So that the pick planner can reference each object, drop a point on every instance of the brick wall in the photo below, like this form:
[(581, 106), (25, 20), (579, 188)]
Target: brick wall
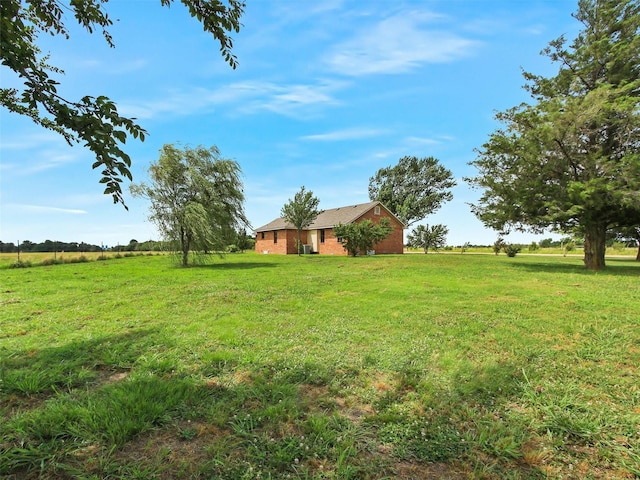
[(286, 242), (287, 238), (331, 246), (393, 243)]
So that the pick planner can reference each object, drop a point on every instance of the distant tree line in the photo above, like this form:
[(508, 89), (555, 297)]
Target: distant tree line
[(235, 241), (48, 246)]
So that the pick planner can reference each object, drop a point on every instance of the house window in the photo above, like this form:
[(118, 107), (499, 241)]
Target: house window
[(261, 235), (322, 236), (376, 210), (339, 239), (275, 237)]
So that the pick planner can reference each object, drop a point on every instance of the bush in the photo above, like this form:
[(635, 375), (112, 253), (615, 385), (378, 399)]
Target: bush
[(51, 261), (21, 264), (568, 246), (511, 250), (618, 246), (233, 249), (533, 247), (80, 259)]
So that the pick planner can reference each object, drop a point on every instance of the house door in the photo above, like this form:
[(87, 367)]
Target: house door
[(312, 236)]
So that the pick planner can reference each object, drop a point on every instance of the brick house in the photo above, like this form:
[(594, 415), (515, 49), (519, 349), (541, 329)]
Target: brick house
[(279, 236)]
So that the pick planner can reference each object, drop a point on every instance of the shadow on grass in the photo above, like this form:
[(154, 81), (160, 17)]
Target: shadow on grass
[(618, 267), (285, 419), (234, 265), (44, 371)]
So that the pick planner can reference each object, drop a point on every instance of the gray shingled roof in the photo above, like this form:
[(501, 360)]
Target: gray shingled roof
[(327, 219)]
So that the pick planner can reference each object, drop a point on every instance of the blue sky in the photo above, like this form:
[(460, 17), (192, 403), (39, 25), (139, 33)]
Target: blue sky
[(325, 94)]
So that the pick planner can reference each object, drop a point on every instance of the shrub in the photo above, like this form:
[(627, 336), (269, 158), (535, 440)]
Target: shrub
[(50, 261), (233, 248), (21, 264), (533, 247), (568, 246), (619, 246), (511, 250), (80, 259)]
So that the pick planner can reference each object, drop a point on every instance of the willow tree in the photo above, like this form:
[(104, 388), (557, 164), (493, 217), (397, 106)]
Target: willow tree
[(570, 161), (196, 198)]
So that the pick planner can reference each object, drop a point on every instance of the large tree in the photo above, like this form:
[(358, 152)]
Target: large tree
[(413, 188), (196, 198), (570, 161), (301, 211), (92, 121), (361, 237)]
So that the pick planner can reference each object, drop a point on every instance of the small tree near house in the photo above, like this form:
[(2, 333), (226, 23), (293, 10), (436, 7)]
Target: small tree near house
[(362, 236), (301, 212)]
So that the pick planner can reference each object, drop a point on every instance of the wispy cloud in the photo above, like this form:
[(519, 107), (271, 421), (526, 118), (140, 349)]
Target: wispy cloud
[(346, 134), (251, 97), (40, 161), (420, 141), (107, 67), (44, 150), (45, 209), (398, 44), (31, 140)]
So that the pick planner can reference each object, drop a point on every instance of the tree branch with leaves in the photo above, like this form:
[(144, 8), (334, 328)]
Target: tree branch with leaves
[(92, 121)]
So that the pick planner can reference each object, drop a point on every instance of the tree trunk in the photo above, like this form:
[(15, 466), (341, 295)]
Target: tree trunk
[(184, 240), (638, 254), (594, 247)]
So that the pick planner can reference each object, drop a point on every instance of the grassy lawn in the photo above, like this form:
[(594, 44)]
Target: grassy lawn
[(254, 366)]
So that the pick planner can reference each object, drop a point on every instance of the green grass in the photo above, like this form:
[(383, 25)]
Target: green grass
[(265, 366)]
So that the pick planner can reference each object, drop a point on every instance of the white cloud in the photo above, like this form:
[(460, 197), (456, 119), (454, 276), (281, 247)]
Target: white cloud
[(419, 141), (346, 134), (397, 44), (250, 97), (31, 140), (47, 160), (44, 209)]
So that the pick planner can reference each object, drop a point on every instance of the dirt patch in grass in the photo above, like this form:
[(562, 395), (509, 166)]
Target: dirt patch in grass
[(354, 413), (182, 447), (15, 404), (435, 471)]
